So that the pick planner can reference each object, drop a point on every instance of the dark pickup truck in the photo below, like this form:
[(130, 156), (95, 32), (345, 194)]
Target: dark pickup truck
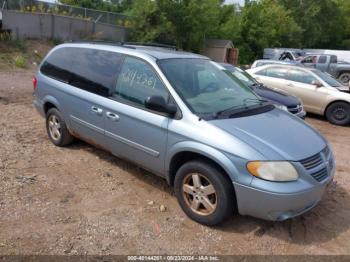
[(329, 64)]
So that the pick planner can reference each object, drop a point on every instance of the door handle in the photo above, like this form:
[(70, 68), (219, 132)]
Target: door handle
[(290, 84), (96, 110), (112, 116)]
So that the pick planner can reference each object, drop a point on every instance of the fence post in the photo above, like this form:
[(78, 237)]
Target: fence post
[(52, 26)]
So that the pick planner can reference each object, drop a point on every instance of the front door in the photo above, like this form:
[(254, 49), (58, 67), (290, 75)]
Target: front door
[(300, 84), (132, 131)]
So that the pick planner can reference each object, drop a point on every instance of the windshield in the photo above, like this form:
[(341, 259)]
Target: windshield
[(297, 54), (207, 87), (328, 79), (244, 77)]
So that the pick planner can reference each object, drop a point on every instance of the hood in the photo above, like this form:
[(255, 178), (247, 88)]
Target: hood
[(276, 134), (277, 96), (345, 89)]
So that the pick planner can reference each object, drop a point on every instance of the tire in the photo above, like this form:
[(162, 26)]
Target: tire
[(338, 113), (222, 202), (55, 122), (344, 78)]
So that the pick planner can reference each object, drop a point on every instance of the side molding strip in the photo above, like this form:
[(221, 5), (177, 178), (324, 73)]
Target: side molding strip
[(132, 144), (91, 126)]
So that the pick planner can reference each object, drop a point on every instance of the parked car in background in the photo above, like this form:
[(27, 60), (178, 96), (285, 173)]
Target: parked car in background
[(182, 117), (320, 92), (329, 64), (283, 54), (262, 62), (279, 98)]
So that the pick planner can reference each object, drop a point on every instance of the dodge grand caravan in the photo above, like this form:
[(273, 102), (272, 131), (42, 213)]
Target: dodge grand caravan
[(182, 117)]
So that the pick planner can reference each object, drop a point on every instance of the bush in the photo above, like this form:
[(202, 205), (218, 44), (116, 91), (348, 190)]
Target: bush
[(20, 61)]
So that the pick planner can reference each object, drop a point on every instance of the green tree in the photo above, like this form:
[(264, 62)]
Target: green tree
[(321, 21), (344, 7), (150, 23), (192, 21), (266, 24)]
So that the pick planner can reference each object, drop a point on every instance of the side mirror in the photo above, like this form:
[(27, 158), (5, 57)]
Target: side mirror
[(157, 103), (316, 83)]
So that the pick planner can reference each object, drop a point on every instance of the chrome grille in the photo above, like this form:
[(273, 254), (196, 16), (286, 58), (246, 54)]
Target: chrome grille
[(320, 175), (311, 162), (326, 152)]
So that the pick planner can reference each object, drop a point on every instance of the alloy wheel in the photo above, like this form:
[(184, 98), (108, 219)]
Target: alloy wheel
[(199, 194), (54, 128)]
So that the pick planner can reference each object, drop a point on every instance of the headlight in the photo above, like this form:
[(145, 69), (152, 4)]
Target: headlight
[(273, 171), (281, 107)]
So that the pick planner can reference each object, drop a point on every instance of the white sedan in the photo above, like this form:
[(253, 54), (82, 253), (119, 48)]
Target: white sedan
[(320, 92)]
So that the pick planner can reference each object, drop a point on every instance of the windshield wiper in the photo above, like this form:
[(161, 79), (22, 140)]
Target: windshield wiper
[(242, 106)]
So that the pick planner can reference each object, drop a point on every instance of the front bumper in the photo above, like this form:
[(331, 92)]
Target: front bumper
[(279, 201), (301, 114), (274, 206)]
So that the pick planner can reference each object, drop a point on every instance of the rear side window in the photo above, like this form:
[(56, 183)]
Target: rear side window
[(276, 72), (137, 81), (88, 69), (57, 65), (261, 72)]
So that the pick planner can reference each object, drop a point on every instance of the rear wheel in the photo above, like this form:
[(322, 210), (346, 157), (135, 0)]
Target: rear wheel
[(57, 129), (344, 78), (204, 193), (338, 113)]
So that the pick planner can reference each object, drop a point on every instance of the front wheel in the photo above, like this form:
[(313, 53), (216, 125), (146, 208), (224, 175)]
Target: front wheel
[(338, 113), (204, 193)]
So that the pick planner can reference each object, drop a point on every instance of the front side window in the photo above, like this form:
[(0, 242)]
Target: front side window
[(310, 59), (328, 78), (300, 76), (276, 72), (205, 87), (138, 81)]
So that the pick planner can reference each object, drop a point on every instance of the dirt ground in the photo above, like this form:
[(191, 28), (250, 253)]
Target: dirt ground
[(81, 200)]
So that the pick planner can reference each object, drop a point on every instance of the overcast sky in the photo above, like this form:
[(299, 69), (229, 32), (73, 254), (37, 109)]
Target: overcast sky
[(241, 2)]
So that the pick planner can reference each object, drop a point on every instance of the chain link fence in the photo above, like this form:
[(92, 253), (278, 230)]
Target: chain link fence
[(36, 6)]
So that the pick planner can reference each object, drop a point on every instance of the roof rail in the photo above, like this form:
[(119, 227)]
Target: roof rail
[(100, 42), (151, 45)]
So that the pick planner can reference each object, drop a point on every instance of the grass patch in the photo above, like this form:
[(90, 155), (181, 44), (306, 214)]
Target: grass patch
[(20, 61), (18, 54)]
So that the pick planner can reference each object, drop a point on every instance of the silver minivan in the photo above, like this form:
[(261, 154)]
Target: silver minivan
[(181, 116)]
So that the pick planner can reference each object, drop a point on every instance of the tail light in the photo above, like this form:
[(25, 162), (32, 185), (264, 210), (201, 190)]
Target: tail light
[(35, 82)]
